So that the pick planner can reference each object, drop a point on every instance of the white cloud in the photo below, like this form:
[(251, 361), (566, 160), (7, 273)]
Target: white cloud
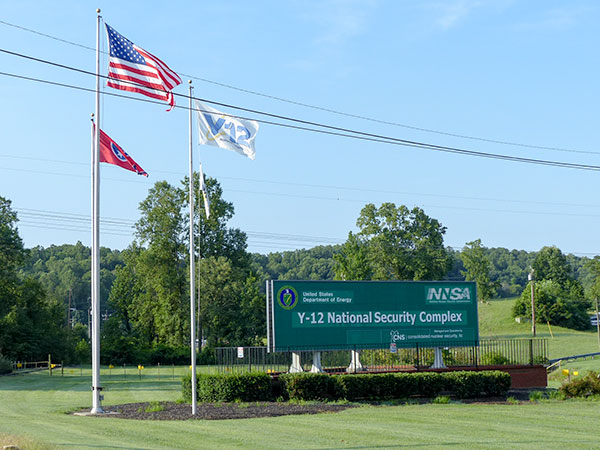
[(340, 20), (557, 18), (450, 13)]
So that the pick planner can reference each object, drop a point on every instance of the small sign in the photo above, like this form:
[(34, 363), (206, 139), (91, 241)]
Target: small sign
[(393, 348), (240, 352)]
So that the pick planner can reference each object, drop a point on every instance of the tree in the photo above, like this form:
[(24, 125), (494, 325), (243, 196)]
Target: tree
[(553, 304), (551, 264), (477, 268), (31, 325), (151, 292), (12, 254), (231, 309), (395, 243), (593, 267), (352, 262)]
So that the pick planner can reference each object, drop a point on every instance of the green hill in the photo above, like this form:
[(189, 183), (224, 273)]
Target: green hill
[(496, 321)]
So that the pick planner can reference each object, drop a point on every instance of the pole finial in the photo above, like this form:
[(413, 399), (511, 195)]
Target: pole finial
[(98, 10), (92, 115), (190, 81)]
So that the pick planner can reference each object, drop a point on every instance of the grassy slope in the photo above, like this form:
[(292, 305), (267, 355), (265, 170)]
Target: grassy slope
[(33, 406), (495, 320)]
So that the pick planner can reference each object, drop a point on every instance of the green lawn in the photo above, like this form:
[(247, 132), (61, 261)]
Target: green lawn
[(34, 407), (495, 320)]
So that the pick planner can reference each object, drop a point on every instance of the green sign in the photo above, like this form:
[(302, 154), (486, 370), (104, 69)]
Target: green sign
[(320, 315)]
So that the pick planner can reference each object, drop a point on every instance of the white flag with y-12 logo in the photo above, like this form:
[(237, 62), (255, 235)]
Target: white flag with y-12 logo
[(221, 130)]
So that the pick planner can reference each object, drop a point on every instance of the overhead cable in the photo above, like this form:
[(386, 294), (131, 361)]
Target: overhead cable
[(329, 110)]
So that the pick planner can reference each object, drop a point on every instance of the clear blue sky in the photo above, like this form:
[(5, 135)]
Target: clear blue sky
[(519, 71)]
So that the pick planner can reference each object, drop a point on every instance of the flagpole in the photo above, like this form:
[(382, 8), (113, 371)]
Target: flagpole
[(192, 261), (95, 269)]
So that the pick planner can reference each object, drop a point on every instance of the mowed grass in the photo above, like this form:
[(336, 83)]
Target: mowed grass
[(34, 408), (495, 320), (35, 411)]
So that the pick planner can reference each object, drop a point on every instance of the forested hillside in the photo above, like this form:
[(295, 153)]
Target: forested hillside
[(45, 292)]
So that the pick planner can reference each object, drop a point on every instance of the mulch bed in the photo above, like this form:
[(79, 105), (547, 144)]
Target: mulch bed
[(218, 411), (224, 411)]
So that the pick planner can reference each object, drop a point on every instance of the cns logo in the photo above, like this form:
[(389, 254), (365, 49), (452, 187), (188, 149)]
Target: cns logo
[(287, 297), (456, 293)]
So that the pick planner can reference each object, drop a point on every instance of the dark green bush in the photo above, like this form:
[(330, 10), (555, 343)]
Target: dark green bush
[(321, 386), (429, 384), (463, 384), (556, 304), (5, 365), (310, 386), (247, 387), (582, 387)]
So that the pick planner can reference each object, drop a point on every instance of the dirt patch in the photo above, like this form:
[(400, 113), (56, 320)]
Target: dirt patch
[(216, 411)]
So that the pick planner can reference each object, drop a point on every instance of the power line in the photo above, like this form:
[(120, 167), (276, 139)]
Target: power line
[(329, 110), (288, 183), (342, 132), (363, 201)]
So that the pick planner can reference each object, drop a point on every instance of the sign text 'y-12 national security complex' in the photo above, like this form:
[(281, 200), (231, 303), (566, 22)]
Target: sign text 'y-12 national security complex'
[(322, 315)]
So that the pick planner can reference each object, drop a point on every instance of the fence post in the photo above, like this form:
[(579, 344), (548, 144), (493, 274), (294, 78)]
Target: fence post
[(531, 352), (50, 364), (62, 368), (158, 370), (418, 356)]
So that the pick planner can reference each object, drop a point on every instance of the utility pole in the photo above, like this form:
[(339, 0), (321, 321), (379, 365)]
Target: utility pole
[(532, 281), (598, 322)]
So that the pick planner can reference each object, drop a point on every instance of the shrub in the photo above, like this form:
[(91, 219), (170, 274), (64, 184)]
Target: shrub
[(429, 384), (245, 387), (310, 386), (5, 365), (494, 359), (582, 387), (554, 304), (536, 396), (465, 384), (367, 386)]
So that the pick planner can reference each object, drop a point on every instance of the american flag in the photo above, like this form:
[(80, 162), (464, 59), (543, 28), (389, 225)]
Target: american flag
[(131, 68)]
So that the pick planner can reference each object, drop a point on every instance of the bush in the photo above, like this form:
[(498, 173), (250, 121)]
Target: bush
[(370, 387), (462, 384), (367, 386), (582, 387), (244, 387), (5, 365), (465, 384), (555, 304), (494, 359), (310, 386)]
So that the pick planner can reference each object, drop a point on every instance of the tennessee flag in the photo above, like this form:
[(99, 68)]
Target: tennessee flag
[(112, 153)]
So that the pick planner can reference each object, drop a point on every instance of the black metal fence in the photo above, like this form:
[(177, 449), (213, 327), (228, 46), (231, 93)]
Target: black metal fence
[(485, 352)]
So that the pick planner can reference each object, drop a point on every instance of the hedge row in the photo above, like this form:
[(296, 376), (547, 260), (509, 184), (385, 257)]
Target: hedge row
[(318, 386), (246, 387)]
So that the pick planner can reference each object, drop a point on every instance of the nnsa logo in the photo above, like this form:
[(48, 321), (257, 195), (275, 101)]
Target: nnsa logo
[(456, 293)]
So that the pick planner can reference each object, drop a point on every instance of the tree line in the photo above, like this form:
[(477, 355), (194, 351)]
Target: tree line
[(44, 292)]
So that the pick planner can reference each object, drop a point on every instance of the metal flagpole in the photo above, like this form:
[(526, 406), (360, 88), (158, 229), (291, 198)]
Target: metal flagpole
[(95, 269), (192, 265)]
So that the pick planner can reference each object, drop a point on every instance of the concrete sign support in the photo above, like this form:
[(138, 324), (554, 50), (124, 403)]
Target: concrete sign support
[(296, 367), (438, 360), (355, 364), (316, 365)]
